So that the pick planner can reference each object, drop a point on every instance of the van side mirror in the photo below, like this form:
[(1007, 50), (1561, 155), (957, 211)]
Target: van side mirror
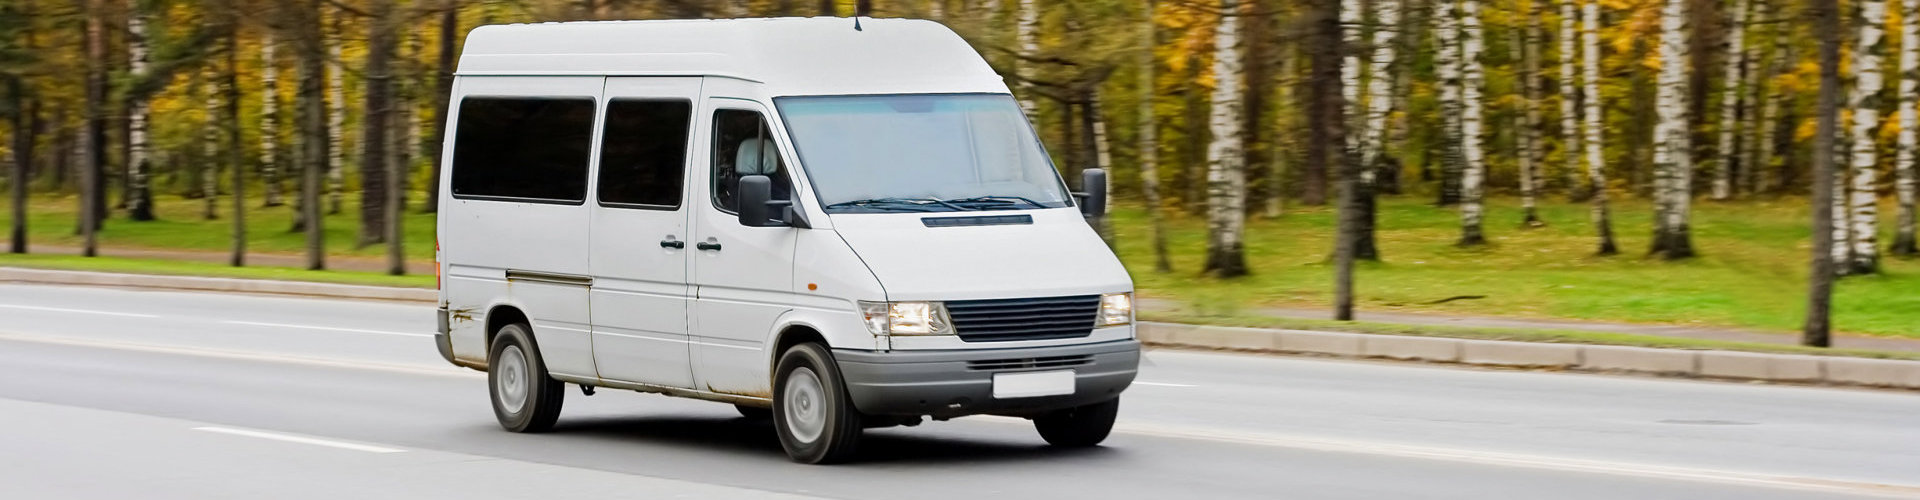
[(1093, 202), (756, 204)]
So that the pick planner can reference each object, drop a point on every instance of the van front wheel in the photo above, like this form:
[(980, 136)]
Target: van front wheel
[(1078, 427), (525, 399), (815, 419)]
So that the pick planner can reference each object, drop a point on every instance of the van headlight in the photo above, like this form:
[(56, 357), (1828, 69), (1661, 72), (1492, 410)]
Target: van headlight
[(1116, 309), (906, 318)]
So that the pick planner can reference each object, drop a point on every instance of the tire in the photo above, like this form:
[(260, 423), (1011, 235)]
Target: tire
[(812, 413), (524, 398), (754, 413), (1078, 427)]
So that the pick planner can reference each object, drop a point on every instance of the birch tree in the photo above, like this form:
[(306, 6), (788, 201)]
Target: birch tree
[(443, 92), (1672, 138), (1730, 103), (1570, 96), (336, 115), (1351, 15), (1226, 167), (1380, 103), (210, 145), (376, 139), (269, 121), (1470, 125), (1528, 135), (1903, 240), (1149, 139), (1596, 162), (1448, 68), (1864, 204), (139, 191)]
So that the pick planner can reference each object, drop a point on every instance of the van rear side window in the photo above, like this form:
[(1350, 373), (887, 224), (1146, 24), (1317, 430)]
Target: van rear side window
[(523, 149), (643, 153)]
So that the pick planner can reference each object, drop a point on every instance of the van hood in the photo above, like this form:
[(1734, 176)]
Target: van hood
[(1057, 254)]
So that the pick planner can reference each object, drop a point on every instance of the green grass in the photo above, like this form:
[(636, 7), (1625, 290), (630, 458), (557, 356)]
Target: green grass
[(1751, 272), (1515, 334), (51, 221), (191, 268)]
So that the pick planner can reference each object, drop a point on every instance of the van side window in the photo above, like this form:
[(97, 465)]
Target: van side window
[(742, 146), (523, 148), (643, 152)]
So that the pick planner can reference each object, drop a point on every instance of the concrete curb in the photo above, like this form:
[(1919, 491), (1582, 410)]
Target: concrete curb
[(43, 276), (1725, 365)]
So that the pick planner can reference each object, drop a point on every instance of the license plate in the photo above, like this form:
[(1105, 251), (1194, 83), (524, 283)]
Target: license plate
[(1033, 384)]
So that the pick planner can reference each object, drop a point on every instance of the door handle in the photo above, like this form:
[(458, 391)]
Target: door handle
[(707, 245), (672, 244)]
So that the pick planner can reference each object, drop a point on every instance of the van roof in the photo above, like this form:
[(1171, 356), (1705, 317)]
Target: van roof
[(789, 56)]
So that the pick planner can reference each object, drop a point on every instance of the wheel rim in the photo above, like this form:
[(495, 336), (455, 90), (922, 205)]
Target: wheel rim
[(804, 405), (512, 381)]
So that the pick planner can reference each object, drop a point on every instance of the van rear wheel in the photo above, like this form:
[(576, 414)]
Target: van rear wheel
[(1079, 427), (812, 413), (525, 398)]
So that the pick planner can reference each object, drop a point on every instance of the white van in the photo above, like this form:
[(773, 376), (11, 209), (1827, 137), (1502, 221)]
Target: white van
[(829, 223)]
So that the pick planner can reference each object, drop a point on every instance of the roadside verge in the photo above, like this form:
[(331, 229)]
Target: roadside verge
[(1597, 358)]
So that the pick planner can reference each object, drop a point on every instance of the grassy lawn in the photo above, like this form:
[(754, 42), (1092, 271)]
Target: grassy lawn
[(1751, 271), (189, 268), (51, 221)]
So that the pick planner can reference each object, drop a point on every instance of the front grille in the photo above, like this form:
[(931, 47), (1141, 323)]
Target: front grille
[(1001, 320), (1030, 363)]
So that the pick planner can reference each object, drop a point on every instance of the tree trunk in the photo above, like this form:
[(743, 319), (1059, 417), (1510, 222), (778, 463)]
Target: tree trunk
[(336, 114), (1529, 117), (1329, 107), (1470, 125), (139, 197), (394, 199), (1903, 240), (1569, 98), (93, 137), (236, 158), (304, 21), (1028, 32), (442, 98), (1868, 80), (22, 159), (1596, 162), (269, 121), (1373, 133), (1226, 169), (1673, 138), (1352, 14), (1448, 69), (827, 8), (1766, 145), (1730, 104), (1815, 332), (378, 113), (1096, 131), (210, 144), (1149, 137)]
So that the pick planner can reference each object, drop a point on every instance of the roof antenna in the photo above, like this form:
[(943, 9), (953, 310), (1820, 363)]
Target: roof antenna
[(856, 22)]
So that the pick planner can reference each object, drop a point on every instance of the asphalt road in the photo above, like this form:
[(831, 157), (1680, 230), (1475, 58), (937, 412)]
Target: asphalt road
[(142, 394)]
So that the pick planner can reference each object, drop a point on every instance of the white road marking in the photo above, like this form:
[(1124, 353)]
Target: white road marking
[(327, 328), (1162, 384), (441, 370), (301, 440), (77, 311), (1521, 460)]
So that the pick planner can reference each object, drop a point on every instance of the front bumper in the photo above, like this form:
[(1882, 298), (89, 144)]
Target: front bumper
[(951, 383)]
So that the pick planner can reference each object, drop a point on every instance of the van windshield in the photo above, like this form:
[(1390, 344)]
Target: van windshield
[(921, 153)]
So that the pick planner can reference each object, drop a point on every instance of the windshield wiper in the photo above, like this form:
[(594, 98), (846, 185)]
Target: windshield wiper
[(999, 200), (902, 204)]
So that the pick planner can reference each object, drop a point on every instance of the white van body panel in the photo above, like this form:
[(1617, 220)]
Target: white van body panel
[(548, 238), (640, 293), (1058, 254)]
